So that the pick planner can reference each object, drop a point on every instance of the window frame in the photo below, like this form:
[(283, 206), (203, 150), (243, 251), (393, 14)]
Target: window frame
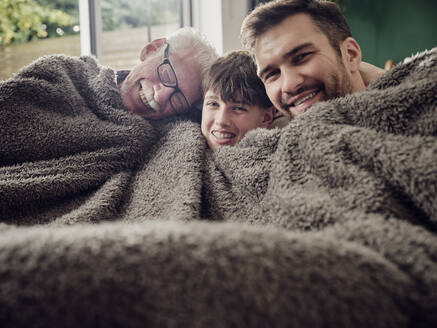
[(91, 25)]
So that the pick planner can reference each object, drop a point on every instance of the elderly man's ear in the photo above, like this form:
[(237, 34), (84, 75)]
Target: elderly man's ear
[(152, 47)]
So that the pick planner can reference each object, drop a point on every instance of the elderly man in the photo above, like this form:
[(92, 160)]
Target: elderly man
[(305, 53), (167, 81), (61, 105)]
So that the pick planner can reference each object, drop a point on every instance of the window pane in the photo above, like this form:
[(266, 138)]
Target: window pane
[(52, 26), (128, 25)]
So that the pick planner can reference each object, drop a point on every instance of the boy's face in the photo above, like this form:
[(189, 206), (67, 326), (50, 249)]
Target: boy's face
[(224, 123)]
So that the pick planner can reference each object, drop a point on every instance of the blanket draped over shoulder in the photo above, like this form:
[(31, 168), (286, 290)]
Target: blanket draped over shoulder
[(110, 220)]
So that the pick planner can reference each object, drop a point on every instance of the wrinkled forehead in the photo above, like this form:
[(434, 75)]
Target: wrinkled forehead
[(291, 33)]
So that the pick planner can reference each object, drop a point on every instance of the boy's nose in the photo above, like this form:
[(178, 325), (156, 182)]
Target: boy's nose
[(222, 117)]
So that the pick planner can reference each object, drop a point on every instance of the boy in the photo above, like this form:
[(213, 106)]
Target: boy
[(235, 100)]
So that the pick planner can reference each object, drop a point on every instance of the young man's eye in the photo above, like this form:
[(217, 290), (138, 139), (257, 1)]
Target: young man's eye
[(240, 109), (270, 75), (301, 57)]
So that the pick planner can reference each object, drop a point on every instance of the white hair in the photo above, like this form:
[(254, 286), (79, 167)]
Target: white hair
[(188, 38)]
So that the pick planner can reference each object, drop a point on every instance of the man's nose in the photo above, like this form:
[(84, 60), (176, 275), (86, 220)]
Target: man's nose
[(291, 80), (162, 93)]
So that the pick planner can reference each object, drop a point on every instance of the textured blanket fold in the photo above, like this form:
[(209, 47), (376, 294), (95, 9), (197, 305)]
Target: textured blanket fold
[(65, 133), (328, 222)]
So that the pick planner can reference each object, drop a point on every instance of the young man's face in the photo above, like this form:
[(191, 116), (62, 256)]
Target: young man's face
[(143, 92), (298, 65), (224, 123)]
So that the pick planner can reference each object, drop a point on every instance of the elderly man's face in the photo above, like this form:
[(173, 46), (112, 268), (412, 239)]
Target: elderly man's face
[(145, 94), (298, 65)]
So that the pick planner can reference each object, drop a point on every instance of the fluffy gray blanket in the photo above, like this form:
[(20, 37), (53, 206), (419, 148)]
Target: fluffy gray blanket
[(110, 220)]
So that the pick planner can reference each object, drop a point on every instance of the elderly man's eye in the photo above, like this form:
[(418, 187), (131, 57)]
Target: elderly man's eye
[(165, 76)]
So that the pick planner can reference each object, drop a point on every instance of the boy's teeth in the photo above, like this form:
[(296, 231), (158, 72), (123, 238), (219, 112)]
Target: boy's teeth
[(223, 135), (304, 98)]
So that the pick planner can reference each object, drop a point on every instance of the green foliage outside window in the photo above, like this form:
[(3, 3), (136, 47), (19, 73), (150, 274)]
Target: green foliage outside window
[(24, 20)]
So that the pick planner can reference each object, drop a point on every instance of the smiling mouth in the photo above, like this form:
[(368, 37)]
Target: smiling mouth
[(302, 100), (146, 96), (223, 135)]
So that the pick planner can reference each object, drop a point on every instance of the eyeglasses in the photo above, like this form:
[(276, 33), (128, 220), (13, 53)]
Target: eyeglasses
[(167, 76)]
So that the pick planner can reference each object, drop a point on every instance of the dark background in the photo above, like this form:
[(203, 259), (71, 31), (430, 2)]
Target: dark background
[(390, 29)]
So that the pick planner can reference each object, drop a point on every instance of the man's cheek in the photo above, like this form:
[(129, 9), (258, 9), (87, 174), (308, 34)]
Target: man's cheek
[(274, 95)]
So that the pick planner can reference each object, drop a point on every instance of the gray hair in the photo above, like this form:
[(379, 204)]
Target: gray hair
[(188, 38)]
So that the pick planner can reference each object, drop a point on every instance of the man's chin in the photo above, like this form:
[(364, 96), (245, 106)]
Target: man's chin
[(137, 108), (152, 115), (143, 112), (294, 112)]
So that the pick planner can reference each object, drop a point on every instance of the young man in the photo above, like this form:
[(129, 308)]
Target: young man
[(305, 53), (235, 100)]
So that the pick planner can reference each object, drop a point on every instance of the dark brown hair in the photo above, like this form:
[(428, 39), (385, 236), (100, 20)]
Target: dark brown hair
[(327, 16), (234, 78)]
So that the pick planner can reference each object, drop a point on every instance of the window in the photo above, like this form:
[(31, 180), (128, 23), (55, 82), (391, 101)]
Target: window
[(128, 25), (115, 30), (33, 28)]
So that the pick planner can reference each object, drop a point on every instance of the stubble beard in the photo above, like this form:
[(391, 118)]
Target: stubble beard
[(341, 84)]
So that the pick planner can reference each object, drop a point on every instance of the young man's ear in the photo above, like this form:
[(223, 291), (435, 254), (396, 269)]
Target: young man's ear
[(351, 54), (269, 113), (152, 47)]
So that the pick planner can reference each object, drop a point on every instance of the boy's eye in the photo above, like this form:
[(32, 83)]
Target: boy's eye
[(240, 109), (212, 104)]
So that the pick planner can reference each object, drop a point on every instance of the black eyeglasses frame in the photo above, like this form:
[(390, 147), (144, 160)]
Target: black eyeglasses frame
[(177, 91)]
